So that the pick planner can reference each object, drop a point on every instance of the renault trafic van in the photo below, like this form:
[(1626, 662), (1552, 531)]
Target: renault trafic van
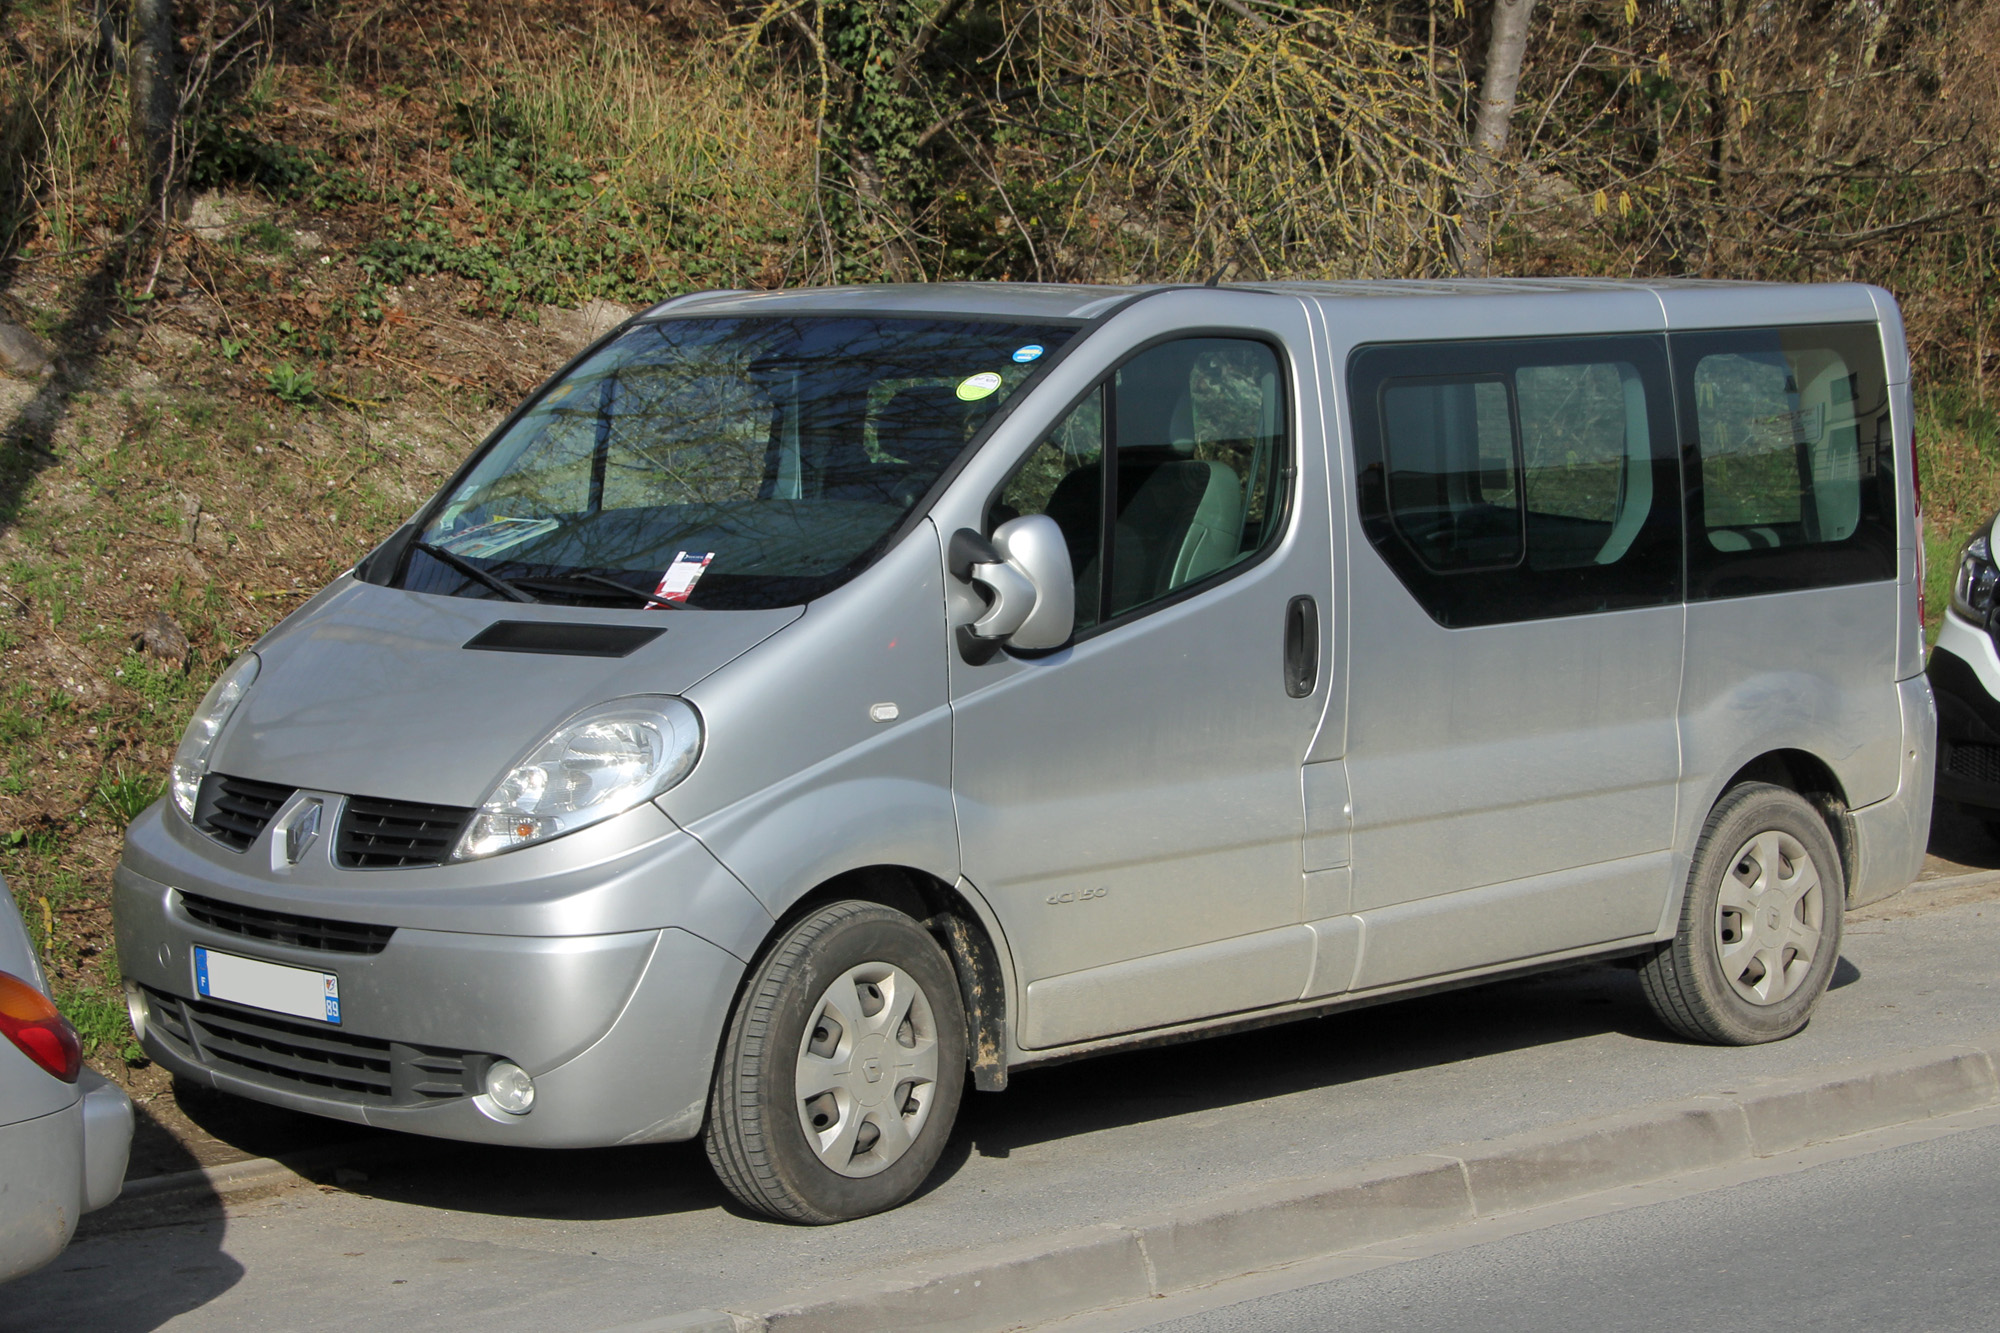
[(809, 700)]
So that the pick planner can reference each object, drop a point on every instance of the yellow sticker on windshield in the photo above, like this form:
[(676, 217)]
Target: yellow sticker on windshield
[(974, 387)]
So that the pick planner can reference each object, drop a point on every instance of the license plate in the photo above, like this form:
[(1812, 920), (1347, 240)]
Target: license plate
[(285, 990)]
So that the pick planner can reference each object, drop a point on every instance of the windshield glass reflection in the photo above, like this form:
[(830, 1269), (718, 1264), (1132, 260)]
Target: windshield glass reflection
[(723, 463)]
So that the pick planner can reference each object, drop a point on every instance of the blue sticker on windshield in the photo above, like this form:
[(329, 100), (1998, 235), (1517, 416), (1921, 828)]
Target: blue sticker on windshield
[(1023, 355)]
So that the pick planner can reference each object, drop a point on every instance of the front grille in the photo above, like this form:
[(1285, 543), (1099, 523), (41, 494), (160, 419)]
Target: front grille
[(301, 932), (1978, 763), (234, 811), (321, 1061), (382, 835)]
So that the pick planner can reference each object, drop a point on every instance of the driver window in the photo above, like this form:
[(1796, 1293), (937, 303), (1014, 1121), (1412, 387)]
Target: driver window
[(1198, 447)]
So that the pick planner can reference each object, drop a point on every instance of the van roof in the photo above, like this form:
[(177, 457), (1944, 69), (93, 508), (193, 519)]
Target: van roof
[(1079, 301)]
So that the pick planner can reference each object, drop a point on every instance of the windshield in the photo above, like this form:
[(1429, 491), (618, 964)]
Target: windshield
[(723, 463)]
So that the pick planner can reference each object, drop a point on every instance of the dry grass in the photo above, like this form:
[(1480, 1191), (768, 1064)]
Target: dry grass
[(63, 165), (720, 149)]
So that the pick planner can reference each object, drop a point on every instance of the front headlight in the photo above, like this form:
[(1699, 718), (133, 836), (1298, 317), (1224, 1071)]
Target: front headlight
[(1973, 587), (191, 759), (600, 763)]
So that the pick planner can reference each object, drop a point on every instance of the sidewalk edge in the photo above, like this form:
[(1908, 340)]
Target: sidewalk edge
[(1269, 1226)]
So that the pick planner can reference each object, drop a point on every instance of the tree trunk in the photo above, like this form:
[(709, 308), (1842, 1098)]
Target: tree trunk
[(1722, 92), (155, 103), (1505, 48), (886, 218), (107, 17)]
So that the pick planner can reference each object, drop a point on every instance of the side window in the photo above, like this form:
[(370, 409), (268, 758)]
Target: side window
[(1793, 487), (1198, 447), (1454, 493), (1588, 454), (1520, 480)]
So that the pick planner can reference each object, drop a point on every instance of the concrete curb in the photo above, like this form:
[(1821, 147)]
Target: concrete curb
[(1035, 1280)]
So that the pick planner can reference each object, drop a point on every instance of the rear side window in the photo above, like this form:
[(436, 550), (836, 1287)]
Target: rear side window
[(1791, 485), (1520, 480)]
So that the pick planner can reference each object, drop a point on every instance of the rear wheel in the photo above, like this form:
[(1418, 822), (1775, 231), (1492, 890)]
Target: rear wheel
[(1760, 923), (842, 1070)]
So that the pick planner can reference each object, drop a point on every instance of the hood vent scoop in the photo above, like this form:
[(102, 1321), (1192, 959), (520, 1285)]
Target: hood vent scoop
[(542, 636)]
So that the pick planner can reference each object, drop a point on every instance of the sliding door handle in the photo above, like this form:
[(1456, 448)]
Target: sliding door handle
[(1301, 647)]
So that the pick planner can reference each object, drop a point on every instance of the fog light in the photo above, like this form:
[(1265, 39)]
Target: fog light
[(510, 1087), (135, 1008)]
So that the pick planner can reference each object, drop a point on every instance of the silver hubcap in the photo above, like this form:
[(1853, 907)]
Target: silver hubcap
[(867, 1069), (1767, 922)]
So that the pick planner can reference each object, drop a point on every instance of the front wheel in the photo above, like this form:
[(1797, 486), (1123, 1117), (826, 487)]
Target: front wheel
[(1760, 923), (842, 1070)]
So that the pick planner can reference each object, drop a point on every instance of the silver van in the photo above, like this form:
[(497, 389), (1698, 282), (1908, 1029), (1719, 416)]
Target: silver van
[(809, 697)]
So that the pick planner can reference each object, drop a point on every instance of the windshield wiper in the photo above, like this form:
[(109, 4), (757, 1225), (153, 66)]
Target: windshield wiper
[(475, 573), (598, 580)]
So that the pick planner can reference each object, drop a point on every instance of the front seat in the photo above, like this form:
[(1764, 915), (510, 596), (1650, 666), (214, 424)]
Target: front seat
[(1179, 520)]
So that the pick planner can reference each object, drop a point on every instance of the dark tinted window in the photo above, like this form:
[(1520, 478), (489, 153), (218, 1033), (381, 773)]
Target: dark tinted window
[(1520, 480), (1199, 449), (1454, 484), (1791, 482)]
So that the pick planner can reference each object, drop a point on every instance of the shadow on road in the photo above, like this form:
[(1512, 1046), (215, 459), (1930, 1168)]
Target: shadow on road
[(1349, 1047), (564, 1185), (1960, 841)]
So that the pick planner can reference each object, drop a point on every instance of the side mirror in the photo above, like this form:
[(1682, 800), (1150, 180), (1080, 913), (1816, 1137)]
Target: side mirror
[(1030, 585)]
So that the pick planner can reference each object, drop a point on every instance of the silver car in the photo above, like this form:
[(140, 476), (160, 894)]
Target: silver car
[(64, 1130), (809, 698)]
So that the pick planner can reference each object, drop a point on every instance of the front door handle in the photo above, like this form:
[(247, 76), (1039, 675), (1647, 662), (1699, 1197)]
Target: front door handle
[(1301, 647)]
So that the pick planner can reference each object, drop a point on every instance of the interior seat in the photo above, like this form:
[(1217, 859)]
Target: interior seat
[(1179, 520)]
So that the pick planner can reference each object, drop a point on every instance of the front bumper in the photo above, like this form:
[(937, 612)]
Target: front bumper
[(617, 1030)]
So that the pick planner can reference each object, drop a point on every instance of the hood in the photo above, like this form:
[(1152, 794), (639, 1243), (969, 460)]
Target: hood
[(371, 691)]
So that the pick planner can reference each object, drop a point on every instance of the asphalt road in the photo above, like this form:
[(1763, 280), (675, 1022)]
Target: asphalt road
[(494, 1240), (1896, 1239)]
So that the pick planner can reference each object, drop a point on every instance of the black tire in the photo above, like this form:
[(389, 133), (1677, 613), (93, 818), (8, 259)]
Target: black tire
[(758, 1140), (1687, 981)]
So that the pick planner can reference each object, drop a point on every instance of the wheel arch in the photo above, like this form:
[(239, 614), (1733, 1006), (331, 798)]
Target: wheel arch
[(962, 930), (1812, 778)]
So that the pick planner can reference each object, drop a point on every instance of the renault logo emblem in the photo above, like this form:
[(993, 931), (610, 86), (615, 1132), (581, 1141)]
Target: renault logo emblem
[(301, 831)]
